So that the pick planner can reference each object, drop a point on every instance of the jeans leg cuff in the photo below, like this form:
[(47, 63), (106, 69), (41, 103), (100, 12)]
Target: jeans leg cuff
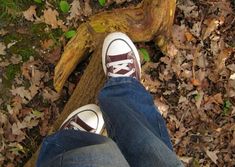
[(121, 80)]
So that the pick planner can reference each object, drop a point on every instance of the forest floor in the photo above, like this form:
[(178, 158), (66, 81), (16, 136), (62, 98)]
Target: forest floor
[(193, 84)]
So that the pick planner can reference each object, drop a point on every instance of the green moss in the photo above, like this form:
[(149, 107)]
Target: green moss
[(27, 53), (15, 6), (39, 30), (55, 35), (12, 37), (11, 71)]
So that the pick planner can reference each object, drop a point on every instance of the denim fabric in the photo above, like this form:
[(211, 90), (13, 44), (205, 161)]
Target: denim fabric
[(132, 121), (70, 148)]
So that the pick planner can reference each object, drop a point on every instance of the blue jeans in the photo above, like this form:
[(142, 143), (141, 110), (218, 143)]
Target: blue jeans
[(138, 133)]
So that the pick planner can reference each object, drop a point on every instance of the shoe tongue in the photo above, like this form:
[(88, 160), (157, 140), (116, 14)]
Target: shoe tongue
[(114, 58)]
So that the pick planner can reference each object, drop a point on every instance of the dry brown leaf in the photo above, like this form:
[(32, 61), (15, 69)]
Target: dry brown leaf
[(87, 10), (50, 18), (30, 14), (196, 30), (189, 37), (162, 107), (218, 98), (46, 44), (178, 33), (212, 155), (232, 77), (33, 90), (75, 10), (150, 85), (186, 160), (50, 95), (2, 48), (222, 57), (36, 76), (200, 98), (3, 32), (231, 67), (233, 140), (22, 92), (189, 9), (182, 99), (212, 25), (15, 59), (172, 50), (16, 130)]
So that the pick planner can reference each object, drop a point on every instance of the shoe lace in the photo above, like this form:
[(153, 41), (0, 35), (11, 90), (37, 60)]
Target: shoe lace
[(78, 127), (121, 65)]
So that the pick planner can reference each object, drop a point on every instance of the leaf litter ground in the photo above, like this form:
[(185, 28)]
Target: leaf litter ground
[(193, 84)]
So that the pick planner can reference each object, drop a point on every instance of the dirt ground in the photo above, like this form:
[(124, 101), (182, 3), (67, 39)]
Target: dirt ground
[(193, 84)]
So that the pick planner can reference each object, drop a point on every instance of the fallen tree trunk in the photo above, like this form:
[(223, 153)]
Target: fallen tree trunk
[(151, 20)]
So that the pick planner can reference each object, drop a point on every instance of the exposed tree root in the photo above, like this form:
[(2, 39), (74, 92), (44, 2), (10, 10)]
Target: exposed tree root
[(152, 19)]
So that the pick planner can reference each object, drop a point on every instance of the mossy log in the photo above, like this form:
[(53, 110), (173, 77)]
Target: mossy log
[(150, 20)]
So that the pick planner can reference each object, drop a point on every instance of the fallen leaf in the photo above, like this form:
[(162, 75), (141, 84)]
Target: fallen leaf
[(15, 59), (212, 155), (75, 10), (17, 130), (182, 99), (30, 14), (50, 95), (186, 160), (218, 98), (3, 32), (50, 18), (212, 25), (11, 44), (196, 82), (54, 55), (2, 48), (189, 37), (189, 9), (46, 44), (232, 76), (233, 140), (231, 67), (22, 92), (222, 57), (178, 33), (87, 10), (196, 30), (199, 99), (162, 107)]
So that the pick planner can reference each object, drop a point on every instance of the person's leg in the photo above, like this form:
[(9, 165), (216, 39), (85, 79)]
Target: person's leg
[(72, 145), (131, 117)]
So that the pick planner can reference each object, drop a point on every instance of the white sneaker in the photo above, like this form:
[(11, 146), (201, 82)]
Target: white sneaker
[(87, 118), (120, 57)]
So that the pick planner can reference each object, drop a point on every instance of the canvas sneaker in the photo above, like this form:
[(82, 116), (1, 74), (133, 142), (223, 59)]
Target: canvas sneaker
[(120, 57), (87, 118)]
